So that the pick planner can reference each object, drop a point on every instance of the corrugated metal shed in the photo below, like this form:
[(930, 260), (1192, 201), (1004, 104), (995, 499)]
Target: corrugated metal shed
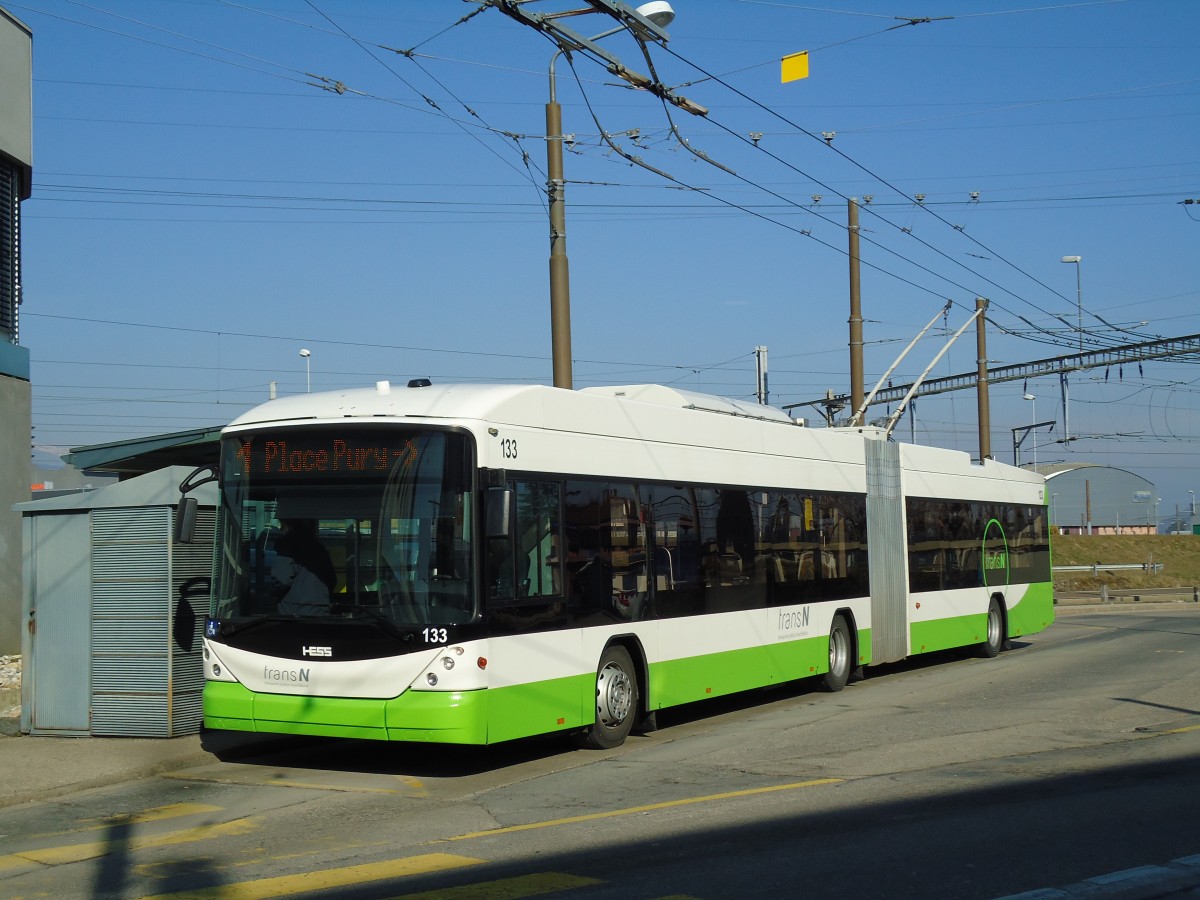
[(116, 610)]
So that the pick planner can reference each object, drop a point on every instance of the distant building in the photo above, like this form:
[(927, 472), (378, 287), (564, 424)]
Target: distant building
[(67, 480), (1090, 499), (16, 178)]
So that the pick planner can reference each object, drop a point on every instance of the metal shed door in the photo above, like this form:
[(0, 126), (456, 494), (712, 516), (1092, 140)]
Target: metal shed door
[(60, 645), (131, 600)]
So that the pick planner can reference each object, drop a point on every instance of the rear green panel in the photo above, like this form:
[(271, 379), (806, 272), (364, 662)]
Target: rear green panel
[(1034, 613)]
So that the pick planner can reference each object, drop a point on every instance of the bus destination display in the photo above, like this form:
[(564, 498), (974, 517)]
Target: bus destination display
[(322, 454)]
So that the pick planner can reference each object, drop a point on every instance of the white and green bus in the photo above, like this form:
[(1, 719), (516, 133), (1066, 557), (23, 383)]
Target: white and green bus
[(471, 564)]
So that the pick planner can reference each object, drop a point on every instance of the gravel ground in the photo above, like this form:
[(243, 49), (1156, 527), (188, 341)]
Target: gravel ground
[(10, 686)]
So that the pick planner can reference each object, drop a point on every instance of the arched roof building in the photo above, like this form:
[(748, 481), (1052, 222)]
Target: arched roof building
[(1091, 499)]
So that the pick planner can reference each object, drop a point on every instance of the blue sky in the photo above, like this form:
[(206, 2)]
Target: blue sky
[(203, 208)]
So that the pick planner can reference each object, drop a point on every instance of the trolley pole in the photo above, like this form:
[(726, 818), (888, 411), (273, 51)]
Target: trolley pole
[(981, 379)]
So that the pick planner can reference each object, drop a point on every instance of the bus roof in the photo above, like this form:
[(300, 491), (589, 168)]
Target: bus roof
[(487, 402)]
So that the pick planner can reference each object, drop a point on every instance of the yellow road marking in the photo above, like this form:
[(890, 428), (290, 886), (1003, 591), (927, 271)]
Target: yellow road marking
[(325, 879), (157, 814), (54, 856), (508, 888), (628, 811), (418, 791), (173, 811), (1182, 730)]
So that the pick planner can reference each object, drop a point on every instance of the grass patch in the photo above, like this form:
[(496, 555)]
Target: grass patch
[(1179, 554)]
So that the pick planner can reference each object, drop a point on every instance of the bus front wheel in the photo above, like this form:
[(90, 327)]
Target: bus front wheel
[(616, 701), (839, 656)]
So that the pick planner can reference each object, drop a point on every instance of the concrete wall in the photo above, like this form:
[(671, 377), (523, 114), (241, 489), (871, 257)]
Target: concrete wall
[(15, 474), (16, 146), (16, 96)]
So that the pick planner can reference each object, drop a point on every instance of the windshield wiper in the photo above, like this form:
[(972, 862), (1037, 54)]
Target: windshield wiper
[(381, 621), (228, 629)]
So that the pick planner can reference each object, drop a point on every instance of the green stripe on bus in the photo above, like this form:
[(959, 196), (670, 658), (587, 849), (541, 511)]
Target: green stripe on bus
[(943, 634), (501, 714), (1034, 612), (458, 717), (714, 675)]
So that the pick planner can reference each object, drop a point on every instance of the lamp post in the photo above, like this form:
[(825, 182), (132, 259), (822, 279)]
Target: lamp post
[(1032, 425), (304, 352), (1078, 295), (1192, 511), (660, 13)]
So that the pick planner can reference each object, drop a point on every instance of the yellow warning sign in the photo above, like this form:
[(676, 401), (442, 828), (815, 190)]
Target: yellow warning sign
[(794, 67)]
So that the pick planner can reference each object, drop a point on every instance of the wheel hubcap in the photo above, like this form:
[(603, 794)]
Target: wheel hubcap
[(614, 695), (837, 652)]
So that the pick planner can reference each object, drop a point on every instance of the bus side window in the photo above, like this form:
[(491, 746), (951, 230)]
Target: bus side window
[(525, 563)]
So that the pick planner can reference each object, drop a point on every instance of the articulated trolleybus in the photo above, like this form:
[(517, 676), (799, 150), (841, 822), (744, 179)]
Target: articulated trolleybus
[(471, 564)]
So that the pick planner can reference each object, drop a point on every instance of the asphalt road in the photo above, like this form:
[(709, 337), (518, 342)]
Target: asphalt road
[(1074, 756)]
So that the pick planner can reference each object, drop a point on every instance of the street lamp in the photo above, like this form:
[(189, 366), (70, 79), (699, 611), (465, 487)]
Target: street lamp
[(1033, 425), (1078, 295), (1192, 513), (307, 370), (660, 13)]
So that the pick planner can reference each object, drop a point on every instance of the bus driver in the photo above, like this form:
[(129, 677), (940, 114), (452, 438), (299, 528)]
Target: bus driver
[(302, 565)]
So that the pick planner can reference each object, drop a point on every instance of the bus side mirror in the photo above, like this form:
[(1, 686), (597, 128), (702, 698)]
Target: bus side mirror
[(185, 513), (185, 519), (499, 505), (198, 476)]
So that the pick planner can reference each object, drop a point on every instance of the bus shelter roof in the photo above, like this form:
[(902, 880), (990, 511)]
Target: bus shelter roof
[(138, 456)]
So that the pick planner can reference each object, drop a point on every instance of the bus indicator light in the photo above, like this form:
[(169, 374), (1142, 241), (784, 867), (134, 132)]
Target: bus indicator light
[(481, 662)]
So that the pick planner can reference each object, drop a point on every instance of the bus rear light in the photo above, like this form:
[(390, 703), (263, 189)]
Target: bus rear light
[(481, 662)]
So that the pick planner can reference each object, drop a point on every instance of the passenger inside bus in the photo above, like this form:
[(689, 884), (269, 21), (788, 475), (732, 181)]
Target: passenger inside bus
[(303, 566)]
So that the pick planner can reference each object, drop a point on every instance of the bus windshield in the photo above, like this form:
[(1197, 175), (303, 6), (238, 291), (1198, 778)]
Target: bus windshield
[(345, 523)]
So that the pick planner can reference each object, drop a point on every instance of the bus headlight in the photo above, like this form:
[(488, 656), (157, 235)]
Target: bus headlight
[(447, 663), (431, 679)]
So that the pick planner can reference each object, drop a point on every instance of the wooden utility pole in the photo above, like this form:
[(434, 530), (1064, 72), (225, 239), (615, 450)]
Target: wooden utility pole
[(981, 376), (856, 321)]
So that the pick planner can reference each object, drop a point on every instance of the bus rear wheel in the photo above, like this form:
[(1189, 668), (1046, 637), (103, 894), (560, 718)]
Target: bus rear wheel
[(991, 647), (839, 656), (616, 701)]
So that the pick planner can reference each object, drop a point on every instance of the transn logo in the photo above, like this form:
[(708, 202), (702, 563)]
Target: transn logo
[(316, 651)]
